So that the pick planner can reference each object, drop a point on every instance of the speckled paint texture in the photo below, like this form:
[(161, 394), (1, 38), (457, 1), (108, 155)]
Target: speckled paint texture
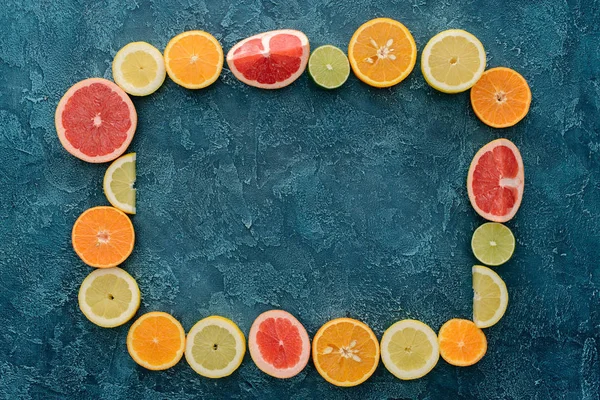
[(326, 204)]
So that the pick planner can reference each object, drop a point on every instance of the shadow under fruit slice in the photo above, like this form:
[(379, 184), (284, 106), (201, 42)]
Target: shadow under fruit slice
[(270, 60), (103, 237), (156, 341), (495, 181), (279, 344), (95, 120), (345, 352), (215, 347)]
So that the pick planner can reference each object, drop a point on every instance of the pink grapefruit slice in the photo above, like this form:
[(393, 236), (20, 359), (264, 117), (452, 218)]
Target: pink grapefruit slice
[(270, 60), (495, 181), (95, 120), (279, 344)]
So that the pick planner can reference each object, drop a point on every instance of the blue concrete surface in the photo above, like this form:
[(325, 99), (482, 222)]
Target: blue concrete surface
[(326, 204)]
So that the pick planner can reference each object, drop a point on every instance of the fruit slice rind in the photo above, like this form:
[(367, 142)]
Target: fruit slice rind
[(503, 296), (108, 180), (122, 81), (502, 249), (518, 180), (255, 349), (233, 330), (443, 86), (393, 367), (144, 363), (100, 320), (265, 38), (61, 130)]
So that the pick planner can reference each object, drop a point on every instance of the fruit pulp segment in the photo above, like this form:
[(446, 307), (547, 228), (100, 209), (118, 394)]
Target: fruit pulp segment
[(157, 340), (346, 352), (487, 297), (274, 64), (139, 68), (383, 51), (193, 59), (279, 342), (410, 349), (454, 60), (491, 195), (108, 296), (96, 120), (122, 181), (214, 347)]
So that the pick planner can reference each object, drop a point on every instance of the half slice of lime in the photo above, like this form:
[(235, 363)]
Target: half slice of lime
[(328, 66), (118, 183), (493, 243)]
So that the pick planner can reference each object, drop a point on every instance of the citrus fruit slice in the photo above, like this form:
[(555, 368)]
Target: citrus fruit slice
[(103, 237), (382, 52), (409, 349), (452, 61), (118, 183), (194, 59), (215, 347), (462, 343), (95, 120), (495, 180), (279, 344), (490, 297), (109, 297), (156, 341), (270, 60), (501, 98), (493, 243), (345, 352), (328, 66), (139, 68)]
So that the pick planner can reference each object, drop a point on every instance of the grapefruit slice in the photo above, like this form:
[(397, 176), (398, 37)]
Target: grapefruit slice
[(279, 344), (270, 60), (495, 181), (95, 120)]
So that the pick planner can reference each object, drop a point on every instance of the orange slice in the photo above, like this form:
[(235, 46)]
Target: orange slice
[(501, 97), (462, 343), (156, 341), (194, 59), (103, 237), (345, 352), (382, 52)]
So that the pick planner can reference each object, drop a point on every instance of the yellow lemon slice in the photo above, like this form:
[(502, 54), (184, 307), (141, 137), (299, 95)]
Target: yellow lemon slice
[(139, 68), (215, 347), (490, 297), (409, 349), (109, 297), (453, 61), (118, 183)]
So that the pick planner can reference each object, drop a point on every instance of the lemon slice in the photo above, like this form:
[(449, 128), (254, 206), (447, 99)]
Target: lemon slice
[(109, 297), (493, 243), (118, 183), (490, 297), (453, 61), (139, 68), (215, 347), (409, 349)]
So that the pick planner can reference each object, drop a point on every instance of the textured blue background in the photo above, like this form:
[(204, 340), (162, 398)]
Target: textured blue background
[(326, 204)]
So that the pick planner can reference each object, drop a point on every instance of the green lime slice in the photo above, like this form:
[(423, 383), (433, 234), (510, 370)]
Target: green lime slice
[(328, 66), (493, 243)]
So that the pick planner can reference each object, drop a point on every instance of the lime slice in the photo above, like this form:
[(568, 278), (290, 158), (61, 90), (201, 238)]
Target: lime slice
[(328, 66), (118, 183), (109, 297), (453, 61), (139, 68), (493, 244), (490, 297), (215, 347), (409, 349)]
